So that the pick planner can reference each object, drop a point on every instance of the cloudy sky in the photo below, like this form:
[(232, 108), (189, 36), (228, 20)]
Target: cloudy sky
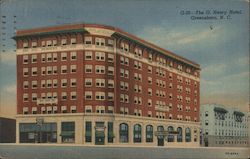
[(220, 46)]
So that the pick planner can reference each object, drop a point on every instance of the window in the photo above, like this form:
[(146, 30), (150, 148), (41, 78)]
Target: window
[(73, 109), (88, 131), (73, 82), (88, 108), (34, 84), (110, 96), (49, 70), (49, 57), (55, 70), (100, 56), (88, 40), (188, 135), (100, 82), (170, 136), (73, 55), (100, 41), (110, 83), (43, 44), (88, 68), (100, 95), (25, 97), (179, 135), (73, 95), (34, 71), (149, 133), (34, 44), (54, 83), (64, 41), (33, 58), (63, 56), (110, 42), (43, 59), (34, 97), (88, 95), (63, 69), (99, 69), (110, 58), (43, 84), (68, 132), (25, 59), (88, 55), (100, 109), (54, 57), (64, 95), (25, 84), (63, 82), (137, 133), (150, 69), (49, 43), (25, 45), (110, 70), (88, 82), (110, 132), (73, 40), (54, 42), (123, 133), (73, 68)]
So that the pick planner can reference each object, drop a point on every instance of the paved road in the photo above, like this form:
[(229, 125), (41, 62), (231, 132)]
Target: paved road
[(8, 151)]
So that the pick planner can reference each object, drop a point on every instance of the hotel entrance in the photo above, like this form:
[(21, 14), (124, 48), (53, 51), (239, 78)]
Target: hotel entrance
[(100, 133), (160, 136)]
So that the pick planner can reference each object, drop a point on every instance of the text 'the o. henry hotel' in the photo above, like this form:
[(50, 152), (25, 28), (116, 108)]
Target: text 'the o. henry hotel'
[(99, 85)]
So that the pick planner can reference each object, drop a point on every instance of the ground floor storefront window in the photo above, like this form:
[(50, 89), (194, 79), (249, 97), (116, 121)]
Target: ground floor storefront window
[(34, 133), (68, 132)]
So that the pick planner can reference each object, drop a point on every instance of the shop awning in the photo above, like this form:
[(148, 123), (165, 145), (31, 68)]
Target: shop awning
[(67, 133)]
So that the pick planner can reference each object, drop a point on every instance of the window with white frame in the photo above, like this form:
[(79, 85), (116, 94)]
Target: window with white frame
[(122, 60), (88, 82), (34, 44), (25, 45), (49, 70), (49, 83), (34, 97), (110, 42), (99, 95), (149, 102), (49, 43), (110, 96), (43, 83), (54, 83), (54, 95), (100, 109), (88, 40), (73, 68), (34, 58), (110, 58), (73, 40), (63, 69), (25, 97), (150, 56), (110, 83), (88, 68), (126, 61), (150, 92), (99, 69), (43, 43), (63, 56), (49, 57), (100, 56), (126, 73), (63, 82), (100, 41), (73, 82), (54, 42), (88, 55), (110, 70), (64, 96), (100, 82), (34, 84), (43, 58), (54, 57), (88, 108), (64, 41), (25, 72), (25, 59), (73, 55), (73, 95), (88, 95), (54, 70), (25, 84), (34, 71)]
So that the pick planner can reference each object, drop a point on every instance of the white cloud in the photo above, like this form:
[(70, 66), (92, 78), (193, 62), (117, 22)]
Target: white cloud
[(214, 69), (11, 89)]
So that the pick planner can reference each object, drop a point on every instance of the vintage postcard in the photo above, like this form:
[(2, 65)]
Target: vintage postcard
[(124, 79)]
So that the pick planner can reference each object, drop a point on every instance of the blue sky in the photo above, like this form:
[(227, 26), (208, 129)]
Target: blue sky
[(221, 47)]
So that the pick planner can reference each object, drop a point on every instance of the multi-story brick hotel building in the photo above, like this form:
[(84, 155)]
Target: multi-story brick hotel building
[(95, 84)]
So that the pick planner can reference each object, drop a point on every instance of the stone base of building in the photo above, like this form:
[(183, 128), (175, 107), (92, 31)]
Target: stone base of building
[(225, 141), (106, 129)]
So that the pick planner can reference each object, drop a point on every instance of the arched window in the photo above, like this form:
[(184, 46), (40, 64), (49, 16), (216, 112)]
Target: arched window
[(188, 135), (149, 133), (123, 131), (160, 129), (170, 136), (179, 135), (137, 133)]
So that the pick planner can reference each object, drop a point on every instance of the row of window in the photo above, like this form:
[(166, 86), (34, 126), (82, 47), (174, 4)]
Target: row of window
[(73, 40)]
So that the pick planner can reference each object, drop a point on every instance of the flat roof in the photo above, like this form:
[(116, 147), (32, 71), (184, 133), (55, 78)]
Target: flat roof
[(80, 28)]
